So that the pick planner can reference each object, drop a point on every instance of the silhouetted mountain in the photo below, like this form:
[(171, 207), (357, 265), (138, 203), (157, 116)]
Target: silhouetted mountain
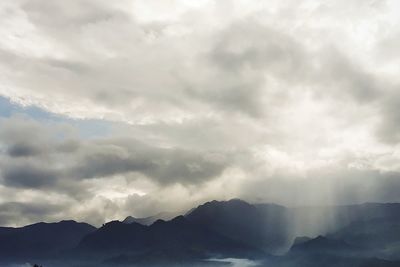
[(322, 244), (349, 236), (166, 216), (381, 237), (320, 251), (178, 238), (355, 233), (379, 263), (327, 252), (300, 240), (41, 239), (116, 236), (265, 226)]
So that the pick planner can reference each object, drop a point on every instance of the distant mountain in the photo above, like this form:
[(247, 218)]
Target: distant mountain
[(41, 239), (381, 237), (119, 242), (300, 240), (375, 262), (328, 252), (166, 216), (265, 226), (322, 244), (317, 252)]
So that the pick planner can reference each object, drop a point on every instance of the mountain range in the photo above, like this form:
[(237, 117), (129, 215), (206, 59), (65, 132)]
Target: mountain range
[(270, 235), (166, 216)]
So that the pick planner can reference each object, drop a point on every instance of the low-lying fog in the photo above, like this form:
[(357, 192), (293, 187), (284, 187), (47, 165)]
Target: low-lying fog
[(237, 262), (231, 262)]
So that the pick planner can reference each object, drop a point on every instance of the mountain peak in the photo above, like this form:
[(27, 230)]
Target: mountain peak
[(165, 216), (129, 219), (68, 221), (224, 203), (300, 240)]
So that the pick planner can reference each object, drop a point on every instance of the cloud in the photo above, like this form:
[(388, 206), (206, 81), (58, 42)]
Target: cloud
[(12, 213), (21, 150), (28, 176), (388, 130), (147, 104), (327, 186), (63, 157), (164, 165)]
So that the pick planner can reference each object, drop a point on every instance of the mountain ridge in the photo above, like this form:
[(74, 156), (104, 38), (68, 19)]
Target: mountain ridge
[(232, 228)]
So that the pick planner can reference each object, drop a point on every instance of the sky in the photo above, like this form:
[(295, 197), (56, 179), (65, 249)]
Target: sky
[(133, 107)]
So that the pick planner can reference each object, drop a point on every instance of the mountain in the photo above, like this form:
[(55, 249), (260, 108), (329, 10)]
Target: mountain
[(347, 236), (41, 239), (166, 216), (319, 251), (272, 227), (322, 244), (265, 226), (381, 237), (300, 240), (375, 262), (324, 251), (118, 242)]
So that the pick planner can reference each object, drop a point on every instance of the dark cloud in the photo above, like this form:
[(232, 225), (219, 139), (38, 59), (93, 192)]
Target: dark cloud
[(163, 165), (28, 176), (22, 150), (74, 160)]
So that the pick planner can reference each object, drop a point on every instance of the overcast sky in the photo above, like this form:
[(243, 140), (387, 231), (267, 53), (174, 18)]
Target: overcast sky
[(131, 107)]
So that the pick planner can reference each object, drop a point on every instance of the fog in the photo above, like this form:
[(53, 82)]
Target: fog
[(231, 262), (237, 262)]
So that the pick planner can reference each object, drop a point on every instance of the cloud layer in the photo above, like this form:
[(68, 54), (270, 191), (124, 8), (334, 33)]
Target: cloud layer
[(295, 103)]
